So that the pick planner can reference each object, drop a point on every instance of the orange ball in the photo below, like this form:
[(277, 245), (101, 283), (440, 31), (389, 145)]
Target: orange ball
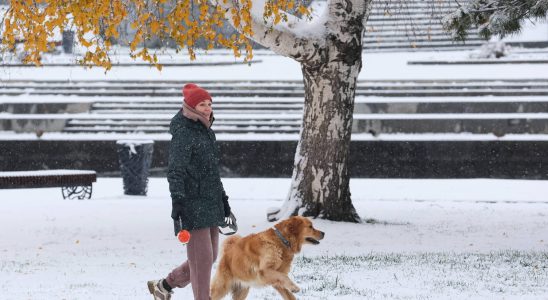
[(183, 236)]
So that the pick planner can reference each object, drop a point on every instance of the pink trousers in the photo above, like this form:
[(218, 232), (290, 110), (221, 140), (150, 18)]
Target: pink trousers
[(201, 253)]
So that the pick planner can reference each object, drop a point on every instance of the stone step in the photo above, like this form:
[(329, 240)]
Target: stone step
[(403, 39), (422, 24), (177, 106), (498, 127), (409, 15), (157, 129), (144, 118), (413, 18), (296, 101), (466, 106), (419, 4), (401, 33), (413, 9), (406, 28), (250, 122), (299, 93), (515, 123), (158, 91), (499, 124), (375, 49), (218, 100), (452, 116), (228, 84), (450, 45), (171, 112), (412, 45), (377, 104), (406, 31), (18, 85), (84, 86), (141, 117), (45, 108)]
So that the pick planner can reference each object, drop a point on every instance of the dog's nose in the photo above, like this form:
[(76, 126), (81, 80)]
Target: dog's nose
[(322, 234)]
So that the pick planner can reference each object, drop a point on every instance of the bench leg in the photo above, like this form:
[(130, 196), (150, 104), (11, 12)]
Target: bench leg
[(76, 192)]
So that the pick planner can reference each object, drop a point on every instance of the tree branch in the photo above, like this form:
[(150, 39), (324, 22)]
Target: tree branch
[(293, 39), (496, 17)]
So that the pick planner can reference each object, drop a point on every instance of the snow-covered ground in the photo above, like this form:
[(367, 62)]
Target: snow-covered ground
[(421, 239)]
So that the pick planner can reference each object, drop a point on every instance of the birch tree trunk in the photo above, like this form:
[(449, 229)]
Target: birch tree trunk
[(320, 180), (330, 58)]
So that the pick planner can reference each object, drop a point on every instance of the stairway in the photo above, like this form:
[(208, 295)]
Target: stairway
[(411, 25), (497, 107)]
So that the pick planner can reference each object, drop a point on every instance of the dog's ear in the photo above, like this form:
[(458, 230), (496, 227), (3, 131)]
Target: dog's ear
[(294, 226)]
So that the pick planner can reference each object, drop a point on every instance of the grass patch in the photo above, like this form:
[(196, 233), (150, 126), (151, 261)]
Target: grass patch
[(423, 275)]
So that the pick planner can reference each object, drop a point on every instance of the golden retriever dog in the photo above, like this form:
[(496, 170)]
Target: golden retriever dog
[(263, 259)]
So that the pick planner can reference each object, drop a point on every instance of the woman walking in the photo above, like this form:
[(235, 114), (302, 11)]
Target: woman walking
[(199, 202)]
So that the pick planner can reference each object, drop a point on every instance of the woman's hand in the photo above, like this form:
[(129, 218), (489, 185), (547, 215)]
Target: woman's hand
[(176, 211), (226, 205)]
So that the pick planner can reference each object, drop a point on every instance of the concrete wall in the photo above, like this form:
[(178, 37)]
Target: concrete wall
[(369, 159)]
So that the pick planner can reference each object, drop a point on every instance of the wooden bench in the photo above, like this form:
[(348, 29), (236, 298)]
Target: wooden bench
[(75, 184)]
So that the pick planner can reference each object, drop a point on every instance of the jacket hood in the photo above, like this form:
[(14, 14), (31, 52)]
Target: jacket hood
[(176, 123)]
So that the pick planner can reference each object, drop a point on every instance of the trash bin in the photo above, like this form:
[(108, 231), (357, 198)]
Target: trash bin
[(135, 157), (68, 41)]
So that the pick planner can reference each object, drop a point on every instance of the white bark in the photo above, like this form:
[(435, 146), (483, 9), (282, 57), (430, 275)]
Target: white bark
[(330, 57), (320, 180)]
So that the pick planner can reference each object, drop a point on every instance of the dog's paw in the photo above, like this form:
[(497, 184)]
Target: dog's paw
[(294, 289)]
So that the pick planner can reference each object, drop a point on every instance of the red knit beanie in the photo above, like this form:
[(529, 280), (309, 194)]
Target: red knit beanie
[(194, 94)]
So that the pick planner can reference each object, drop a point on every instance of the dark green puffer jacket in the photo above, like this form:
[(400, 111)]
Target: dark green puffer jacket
[(193, 174)]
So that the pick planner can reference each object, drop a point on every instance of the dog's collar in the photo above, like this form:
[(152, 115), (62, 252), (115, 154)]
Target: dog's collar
[(282, 238)]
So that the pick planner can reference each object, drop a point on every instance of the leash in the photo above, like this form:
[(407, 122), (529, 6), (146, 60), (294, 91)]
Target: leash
[(282, 238)]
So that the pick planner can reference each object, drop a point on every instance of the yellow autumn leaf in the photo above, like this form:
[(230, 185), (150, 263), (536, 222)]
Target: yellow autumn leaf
[(97, 23), (154, 26)]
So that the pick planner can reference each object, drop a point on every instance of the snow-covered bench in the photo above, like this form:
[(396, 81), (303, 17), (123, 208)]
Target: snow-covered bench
[(75, 184)]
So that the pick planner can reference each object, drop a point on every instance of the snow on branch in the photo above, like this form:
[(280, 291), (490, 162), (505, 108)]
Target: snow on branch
[(293, 37), (493, 17)]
